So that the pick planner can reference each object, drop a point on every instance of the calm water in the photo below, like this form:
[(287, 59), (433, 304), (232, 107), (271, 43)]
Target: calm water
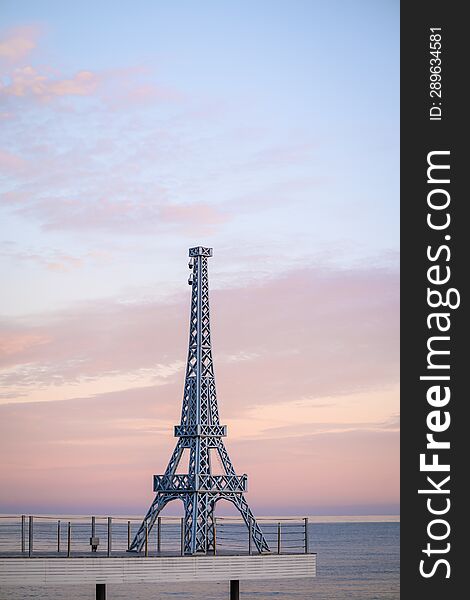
[(356, 561)]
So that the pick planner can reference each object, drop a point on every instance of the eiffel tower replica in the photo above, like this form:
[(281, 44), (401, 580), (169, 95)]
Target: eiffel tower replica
[(201, 433)]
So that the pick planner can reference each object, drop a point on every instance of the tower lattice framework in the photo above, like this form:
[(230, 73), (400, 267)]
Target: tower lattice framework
[(200, 432)]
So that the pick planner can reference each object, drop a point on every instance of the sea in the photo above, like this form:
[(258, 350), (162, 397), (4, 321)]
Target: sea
[(356, 560)]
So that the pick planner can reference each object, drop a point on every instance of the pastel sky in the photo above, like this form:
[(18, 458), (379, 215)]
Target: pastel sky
[(131, 131)]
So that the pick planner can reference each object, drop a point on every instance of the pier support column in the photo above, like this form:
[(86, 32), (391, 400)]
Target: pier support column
[(234, 589), (100, 591)]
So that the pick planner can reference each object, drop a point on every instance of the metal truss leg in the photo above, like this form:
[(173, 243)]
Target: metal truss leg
[(149, 520), (258, 536), (189, 515), (210, 528)]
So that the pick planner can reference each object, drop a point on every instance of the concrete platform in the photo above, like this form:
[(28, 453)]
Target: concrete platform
[(48, 571)]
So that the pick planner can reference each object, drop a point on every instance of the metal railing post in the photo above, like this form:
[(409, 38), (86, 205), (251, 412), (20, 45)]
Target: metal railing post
[(182, 537), (110, 535), (306, 534), (146, 539), (93, 539), (279, 538), (30, 536), (58, 535), (215, 536), (128, 534), (250, 536), (159, 534), (23, 533), (69, 538)]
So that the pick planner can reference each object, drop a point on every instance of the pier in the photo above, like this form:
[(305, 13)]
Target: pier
[(48, 550)]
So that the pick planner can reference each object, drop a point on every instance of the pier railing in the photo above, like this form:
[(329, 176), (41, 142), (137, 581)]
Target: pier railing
[(67, 536), (284, 535)]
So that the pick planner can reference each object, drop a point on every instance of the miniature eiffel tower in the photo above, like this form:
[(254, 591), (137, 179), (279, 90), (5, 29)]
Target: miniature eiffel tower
[(201, 433)]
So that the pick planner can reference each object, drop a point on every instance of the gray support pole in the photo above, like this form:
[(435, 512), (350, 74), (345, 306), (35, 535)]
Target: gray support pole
[(215, 536), (250, 535), (93, 526), (128, 534), (146, 539), (234, 589), (58, 535), (110, 535), (23, 533), (30, 540), (100, 591), (159, 534), (279, 538), (182, 537), (69, 538), (306, 534)]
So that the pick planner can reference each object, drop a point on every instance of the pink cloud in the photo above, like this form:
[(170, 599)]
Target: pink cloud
[(14, 344), (333, 469), (142, 215), (11, 163), (61, 459), (28, 81), (50, 258), (192, 214), (17, 43), (118, 88), (308, 333)]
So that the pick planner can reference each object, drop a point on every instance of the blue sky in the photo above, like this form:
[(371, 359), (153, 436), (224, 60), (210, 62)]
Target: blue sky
[(281, 116)]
